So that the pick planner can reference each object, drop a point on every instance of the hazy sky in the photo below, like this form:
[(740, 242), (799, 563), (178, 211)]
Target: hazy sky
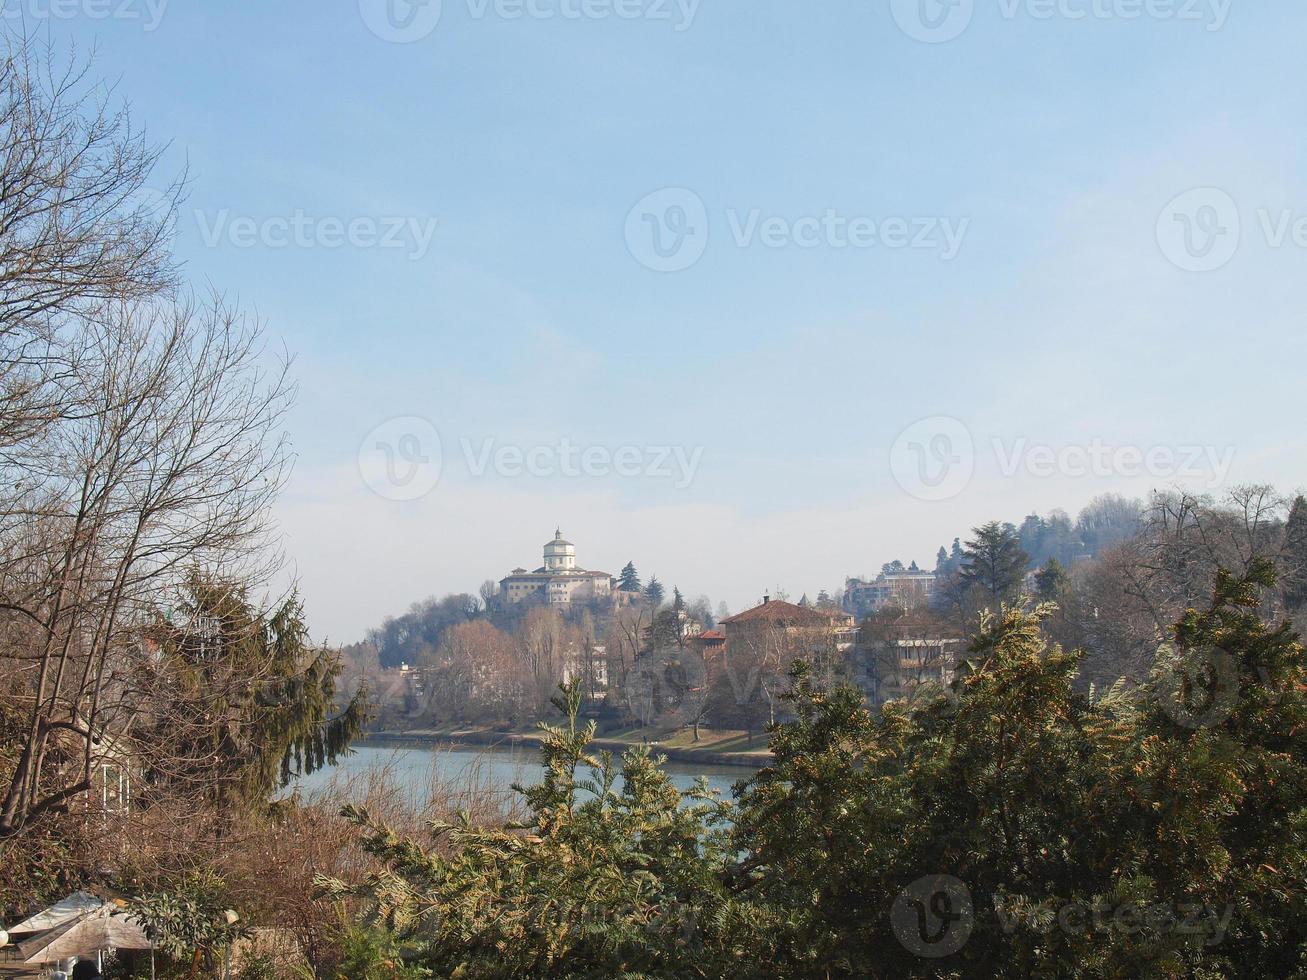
[(754, 293)]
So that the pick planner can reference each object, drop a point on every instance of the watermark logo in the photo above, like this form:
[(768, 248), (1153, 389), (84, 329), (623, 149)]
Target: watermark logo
[(934, 459), (406, 21), (1200, 921), (679, 13), (677, 464), (1197, 688), (401, 459), (932, 21), (667, 231), (938, 21), (300, 229), (1211, 14), (148, 13), (401, 21), (1206, 465), (1199, 230), (933, 917), (833, 230)]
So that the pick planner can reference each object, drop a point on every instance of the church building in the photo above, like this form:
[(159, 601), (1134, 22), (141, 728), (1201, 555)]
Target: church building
[(558, 581)]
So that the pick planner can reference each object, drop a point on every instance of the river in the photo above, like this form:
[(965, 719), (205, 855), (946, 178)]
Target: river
[(418, 767)]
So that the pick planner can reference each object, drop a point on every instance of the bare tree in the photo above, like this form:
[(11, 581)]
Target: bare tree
[(164, 458), (79, 227)]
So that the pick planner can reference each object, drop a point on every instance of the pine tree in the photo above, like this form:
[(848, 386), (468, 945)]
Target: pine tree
[(654, 592), (247, 702), (994, 560), (941, 561), (629, 580), (1052, 581), (1294, 588)]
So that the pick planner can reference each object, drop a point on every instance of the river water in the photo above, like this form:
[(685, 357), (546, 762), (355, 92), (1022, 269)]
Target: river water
[(419, 767)]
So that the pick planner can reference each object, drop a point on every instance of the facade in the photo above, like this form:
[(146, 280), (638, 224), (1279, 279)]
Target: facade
[(907, 589), (893, 668), (803, 629), (558, 581)]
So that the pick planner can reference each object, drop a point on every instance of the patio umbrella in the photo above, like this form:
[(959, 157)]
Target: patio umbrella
[(96, 932), (74, 906)]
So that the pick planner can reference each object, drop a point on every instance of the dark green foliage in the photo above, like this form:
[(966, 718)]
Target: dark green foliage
[(247, 701), (1052, 581), (1294, 580), (602, 881), (1073, 825), (654, 592), (192, 922), (1011, 826), (630, 579), (994, 561)]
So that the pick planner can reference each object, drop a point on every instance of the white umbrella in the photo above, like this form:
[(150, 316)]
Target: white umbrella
[(74, 906), (96, 932)]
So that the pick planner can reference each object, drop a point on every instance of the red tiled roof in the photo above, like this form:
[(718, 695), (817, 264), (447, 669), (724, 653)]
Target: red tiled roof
[(784, 614), (712, 635)]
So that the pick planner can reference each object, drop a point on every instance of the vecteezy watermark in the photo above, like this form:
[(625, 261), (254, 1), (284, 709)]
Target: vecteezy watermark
[(933, 21), (1202, 229), (935, 459), (570, 460), (401, 458), (1208, 465), (301, 230), (1196, 688), (668, 230), (406, 21), (937, 21), (933, 917), (401, 21), (1154, 919), (149, 13), (1199, 230)]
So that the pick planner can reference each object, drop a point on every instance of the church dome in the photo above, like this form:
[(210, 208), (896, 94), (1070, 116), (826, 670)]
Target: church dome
[(560, 555), (558, 545)]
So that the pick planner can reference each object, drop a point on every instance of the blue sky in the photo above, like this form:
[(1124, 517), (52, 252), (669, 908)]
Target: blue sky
[(1066, 145)]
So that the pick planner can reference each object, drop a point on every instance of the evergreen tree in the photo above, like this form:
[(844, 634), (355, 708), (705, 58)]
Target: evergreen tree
[(654, 592), (246, 701), (629, 581), (1052, 581), (941, 561), (1008, 825), (1294, 589), (618, 874), (994, 560)]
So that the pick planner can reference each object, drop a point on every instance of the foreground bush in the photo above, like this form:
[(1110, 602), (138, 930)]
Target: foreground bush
[(1008, 827)]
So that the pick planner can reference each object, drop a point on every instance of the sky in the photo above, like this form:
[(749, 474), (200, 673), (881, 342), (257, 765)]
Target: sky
[(758, 294)]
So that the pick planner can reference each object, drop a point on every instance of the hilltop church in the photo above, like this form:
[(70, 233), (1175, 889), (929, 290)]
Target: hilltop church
[(559, 581)]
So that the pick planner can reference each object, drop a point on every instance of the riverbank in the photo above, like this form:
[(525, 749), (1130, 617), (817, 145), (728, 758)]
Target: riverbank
[(714, 748)]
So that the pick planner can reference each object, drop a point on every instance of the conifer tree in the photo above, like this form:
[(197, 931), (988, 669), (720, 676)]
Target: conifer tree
[(654, 592), (994, 560), (629, 580)]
